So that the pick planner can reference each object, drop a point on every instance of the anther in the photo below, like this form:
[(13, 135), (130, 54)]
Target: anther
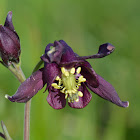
[(77, 100), (69, 100), (72, 71), (63, 70), (63, 90), (66, 73), (80, 78), (55, 86), (78, 70), (74, 90), (66, 96), (80, 94), (57, 78), (83, 80), (69, 91)]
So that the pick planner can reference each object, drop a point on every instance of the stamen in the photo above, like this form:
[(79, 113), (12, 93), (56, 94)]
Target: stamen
[(63, 90), (72, 71), (55, 86), (78, 70), (63, 70), (69, 84), (80, 94), (66, 74), (74, 90), (69, 91), (66, 96), (81, 79), (58, 78), (77, 100)]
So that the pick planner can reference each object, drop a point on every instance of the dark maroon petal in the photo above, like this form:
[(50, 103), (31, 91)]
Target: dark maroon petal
[(68, 55), (56, 99), (104, 50), (48, 47), (51, 71), (107, 91), (88, 73), (28, 88), (45, 58), (61, 53), (8, 21), (54, 54), (83, 101)]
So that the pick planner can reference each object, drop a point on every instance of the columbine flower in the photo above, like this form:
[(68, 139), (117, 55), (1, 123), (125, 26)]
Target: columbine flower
[(9, 41), (67, 76)]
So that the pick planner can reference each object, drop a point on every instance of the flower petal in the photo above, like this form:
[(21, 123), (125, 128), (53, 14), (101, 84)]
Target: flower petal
[(68, 55), (107, 91), (56, 99), (48, 47), (28, 88), (83, 101), (88, 73), (61, 54), (51, 70), (54, 54)]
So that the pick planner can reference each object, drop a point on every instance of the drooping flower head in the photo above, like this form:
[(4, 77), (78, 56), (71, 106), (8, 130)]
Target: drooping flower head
[(68, 76), (9, 41)]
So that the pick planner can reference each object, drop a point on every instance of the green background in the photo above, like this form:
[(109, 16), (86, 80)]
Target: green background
[(84, 25)]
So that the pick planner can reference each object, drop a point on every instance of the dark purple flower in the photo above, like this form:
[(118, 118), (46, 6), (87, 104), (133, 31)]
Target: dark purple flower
[(67, 76), (9, 42)]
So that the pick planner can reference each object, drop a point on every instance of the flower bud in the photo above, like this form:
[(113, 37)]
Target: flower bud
[(9, 42)]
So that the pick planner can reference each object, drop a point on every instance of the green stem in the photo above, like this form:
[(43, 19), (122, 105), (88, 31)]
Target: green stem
[(17, 71), (27, 120)]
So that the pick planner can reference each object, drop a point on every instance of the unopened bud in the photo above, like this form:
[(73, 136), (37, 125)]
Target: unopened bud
[(9, 42)]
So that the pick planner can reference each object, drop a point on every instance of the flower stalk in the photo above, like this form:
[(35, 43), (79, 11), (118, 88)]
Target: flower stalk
[(27, 110), (17, 71), (27, 120)]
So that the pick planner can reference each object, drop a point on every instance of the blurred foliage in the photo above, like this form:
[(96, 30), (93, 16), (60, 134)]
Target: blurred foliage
[(84, 25)]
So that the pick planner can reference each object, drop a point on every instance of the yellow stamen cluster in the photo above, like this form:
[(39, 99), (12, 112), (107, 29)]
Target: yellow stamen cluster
[(69, 85)]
